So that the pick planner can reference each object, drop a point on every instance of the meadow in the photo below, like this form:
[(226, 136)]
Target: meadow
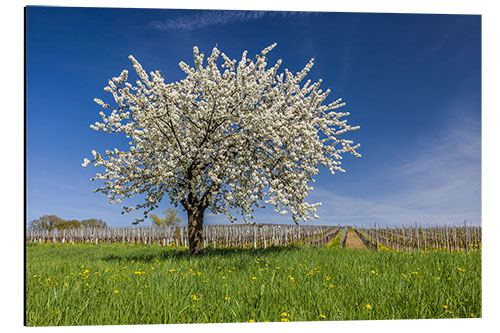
[(104, 284)]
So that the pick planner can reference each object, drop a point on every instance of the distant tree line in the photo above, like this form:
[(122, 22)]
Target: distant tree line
[(170, 219), (51, 222)]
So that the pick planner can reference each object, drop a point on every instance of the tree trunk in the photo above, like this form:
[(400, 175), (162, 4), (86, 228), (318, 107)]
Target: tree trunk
[(195, 229)]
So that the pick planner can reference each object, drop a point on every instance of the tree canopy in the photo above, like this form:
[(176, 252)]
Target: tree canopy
[(51, 222), (171, 218)]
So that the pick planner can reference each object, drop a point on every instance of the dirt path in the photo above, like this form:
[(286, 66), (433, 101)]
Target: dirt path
[(353, 241)]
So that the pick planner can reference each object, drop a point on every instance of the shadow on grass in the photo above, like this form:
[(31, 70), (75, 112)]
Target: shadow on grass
[(208, 252)]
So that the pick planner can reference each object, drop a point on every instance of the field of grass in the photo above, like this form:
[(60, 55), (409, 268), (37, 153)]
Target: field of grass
[(147, 284)]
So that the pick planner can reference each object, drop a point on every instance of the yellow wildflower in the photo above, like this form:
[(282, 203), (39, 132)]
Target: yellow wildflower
[(116, 291), (445, 307), (194, 297), (254, 278), (322, 316), (368, 306), (227, 298), (251, 321)]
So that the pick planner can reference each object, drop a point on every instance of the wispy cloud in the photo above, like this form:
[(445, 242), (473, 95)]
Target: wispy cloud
[(439, 182), (214, 17)]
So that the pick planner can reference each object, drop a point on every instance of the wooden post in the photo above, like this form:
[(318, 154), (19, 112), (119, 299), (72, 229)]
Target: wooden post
[(465, 237)]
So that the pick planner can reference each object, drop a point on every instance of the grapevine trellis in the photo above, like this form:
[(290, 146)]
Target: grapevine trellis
[(217, 236), (413, 238), (417, 238)]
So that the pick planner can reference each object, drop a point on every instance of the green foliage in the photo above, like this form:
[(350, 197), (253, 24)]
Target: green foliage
[(170, 219), (111, 284), (93, 223), (51, 222)]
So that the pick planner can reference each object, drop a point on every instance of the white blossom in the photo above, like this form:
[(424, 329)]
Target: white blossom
[(231, 141)]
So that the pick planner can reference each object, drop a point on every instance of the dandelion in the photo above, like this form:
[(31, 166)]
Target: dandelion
[(404, 275), (285, 319), (251, 321), (224, 278), (322, 316), (372, 271), (368, 306), (331, 286), (194, 297), (227, 298), (116, 291), (66, 284), (254, 278), (445, 307)]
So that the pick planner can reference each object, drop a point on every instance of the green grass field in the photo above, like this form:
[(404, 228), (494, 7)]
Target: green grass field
[(146, 284)]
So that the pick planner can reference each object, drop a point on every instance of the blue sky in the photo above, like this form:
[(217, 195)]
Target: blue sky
[(412, 82)]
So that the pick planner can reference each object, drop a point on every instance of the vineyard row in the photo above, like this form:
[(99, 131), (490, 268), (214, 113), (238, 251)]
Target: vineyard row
[(217, 236), (463, 238)]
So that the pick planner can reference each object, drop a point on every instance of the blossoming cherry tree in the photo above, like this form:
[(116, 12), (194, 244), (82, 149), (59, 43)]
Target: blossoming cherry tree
[(226, 139)]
